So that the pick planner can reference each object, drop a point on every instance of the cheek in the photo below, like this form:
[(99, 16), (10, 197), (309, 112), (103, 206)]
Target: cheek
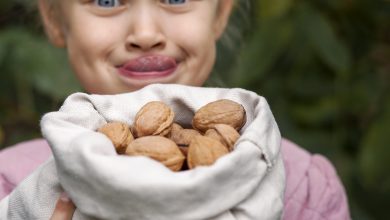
[(193, 34), (198, 43), (92, 37), (89, 41), (88, 44)]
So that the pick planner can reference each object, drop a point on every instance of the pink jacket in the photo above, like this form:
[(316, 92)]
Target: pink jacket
[(313, 189)]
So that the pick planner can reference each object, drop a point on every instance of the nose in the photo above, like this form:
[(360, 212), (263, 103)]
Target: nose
[(145, 32)]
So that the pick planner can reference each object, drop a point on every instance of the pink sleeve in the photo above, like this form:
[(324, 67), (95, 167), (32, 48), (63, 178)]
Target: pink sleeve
[(313, 188), (18, 161)]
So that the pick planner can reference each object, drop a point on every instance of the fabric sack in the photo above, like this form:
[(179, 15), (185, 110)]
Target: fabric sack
[(248, 183)]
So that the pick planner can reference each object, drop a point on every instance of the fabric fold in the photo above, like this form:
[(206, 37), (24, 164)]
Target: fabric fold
[(248, 183)]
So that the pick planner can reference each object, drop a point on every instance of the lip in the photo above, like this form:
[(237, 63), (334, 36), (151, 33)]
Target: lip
[(148, 67)]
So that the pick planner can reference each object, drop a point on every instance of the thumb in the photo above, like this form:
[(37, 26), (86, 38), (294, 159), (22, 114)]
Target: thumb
[(64, 208)]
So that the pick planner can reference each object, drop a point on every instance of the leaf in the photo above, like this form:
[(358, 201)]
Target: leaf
[(261, 52), (44, 67), (53, 75), (320, 112), (374, 160), (323, 39), (5, 5), (273, 9)]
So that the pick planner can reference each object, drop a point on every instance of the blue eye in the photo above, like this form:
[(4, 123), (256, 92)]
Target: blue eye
[(174, 2), (107, 3)]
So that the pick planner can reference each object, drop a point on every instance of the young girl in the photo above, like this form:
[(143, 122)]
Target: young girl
[(117, 46)]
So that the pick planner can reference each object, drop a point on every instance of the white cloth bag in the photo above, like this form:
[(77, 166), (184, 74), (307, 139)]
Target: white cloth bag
[(248, 183)]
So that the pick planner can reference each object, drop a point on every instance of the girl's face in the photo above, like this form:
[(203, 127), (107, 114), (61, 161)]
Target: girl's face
[(119, 46)]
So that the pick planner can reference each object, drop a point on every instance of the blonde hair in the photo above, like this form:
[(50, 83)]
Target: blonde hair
[(234, 30)]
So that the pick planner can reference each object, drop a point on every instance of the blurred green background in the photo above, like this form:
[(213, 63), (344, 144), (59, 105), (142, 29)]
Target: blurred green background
[(323, 65)]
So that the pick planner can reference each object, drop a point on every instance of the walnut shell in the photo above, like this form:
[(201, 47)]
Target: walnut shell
[(222, 111), (154, 118), (225, 134), (119, 133), (212, 133), (182, 136), (175, 127), (204, 151), (158, 148), (184, 151)]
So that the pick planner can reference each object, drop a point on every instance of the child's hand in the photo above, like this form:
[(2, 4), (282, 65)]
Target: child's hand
[(64, 209)]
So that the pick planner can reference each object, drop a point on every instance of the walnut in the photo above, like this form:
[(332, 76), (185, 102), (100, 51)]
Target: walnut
[(225, 134), (222, 111), (204, 151), (119, 133), (158, 148), (178, 148), (182, 136), (154, 118)]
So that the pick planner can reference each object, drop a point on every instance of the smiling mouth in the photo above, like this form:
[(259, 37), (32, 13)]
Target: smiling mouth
[(154, 66)]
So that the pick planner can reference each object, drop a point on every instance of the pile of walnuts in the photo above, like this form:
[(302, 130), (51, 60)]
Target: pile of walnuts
[(215, 129)]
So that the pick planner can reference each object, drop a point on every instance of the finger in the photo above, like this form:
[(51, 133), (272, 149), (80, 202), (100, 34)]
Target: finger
[(64, 208)]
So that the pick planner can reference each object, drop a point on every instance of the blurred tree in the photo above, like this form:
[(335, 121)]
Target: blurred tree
[(35, 77), (324, 66)]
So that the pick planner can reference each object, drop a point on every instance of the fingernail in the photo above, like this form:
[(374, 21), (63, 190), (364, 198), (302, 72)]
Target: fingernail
[(64, 197)]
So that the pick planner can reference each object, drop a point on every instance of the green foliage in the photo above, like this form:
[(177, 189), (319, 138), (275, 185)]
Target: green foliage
[(35, 77), (324, 67), (46, 71)]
